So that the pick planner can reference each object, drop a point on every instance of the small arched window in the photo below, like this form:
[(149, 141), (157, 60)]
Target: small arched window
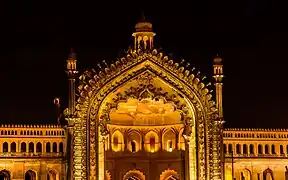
[(251, 149), (13, 147), (48, 147), (260, 150), (54, 147), (245, 149), (230, 148), (273, 149), (23, 147), (266, 149), (38, 147), (281, 149), (31, 147), (5, 147), (238, 149)]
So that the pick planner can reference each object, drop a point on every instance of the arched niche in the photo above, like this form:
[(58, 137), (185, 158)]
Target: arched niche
[(247, 174), (117, 141), (268, 174), (5, 174), (52, 174), (152, 142), (134, 141), (140, 78), (169, 140), (30, 175)]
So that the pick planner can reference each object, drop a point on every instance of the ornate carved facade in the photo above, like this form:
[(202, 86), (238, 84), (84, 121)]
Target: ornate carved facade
[(144, 117), (32, 152)]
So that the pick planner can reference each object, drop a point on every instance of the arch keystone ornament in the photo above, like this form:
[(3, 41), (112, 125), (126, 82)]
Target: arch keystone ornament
[(145, 75)]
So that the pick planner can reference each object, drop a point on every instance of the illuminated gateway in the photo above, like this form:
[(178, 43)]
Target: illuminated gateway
[(144, 117)]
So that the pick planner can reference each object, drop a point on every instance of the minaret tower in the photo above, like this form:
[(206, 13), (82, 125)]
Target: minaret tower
[(218, 77), (144, 35), (72, 72)]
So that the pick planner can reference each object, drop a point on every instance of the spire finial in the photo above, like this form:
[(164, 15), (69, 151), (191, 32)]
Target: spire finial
[(217, 59), (72, 54), (143, 18)]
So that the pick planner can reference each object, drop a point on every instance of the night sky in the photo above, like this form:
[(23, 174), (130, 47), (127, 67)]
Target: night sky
[(251, 39)]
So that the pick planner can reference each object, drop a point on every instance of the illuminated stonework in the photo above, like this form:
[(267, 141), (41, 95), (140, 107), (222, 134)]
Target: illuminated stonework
[(144, 117), (34, 151), (256, 153), (140, 113)]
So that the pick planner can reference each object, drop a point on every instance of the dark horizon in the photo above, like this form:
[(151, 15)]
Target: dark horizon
[(251, 39)]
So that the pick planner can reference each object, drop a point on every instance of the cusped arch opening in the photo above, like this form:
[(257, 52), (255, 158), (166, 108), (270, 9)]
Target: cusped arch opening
[(101, 92), (134, 175), (169, 174), (152, 142), (145, 99), (268, 174), (246, 174), (52, 174), (117, 140), (5, 174), (169, 140), (30, 175), (134, 141), (107, 175)]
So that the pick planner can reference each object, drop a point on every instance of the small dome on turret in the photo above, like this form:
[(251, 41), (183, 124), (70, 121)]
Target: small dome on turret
[(143, 25), (217, 60)]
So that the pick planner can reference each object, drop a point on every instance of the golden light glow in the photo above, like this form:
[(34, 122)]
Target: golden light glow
[(144, 111)]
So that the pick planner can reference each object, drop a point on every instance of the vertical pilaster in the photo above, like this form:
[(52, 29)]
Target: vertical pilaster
[(77, 150), (216, 145), (74, 135), (190, 169), (101, 154), (43, 170), (218, 77)]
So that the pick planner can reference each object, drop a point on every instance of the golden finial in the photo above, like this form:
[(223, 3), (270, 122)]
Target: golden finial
[(217, 59)]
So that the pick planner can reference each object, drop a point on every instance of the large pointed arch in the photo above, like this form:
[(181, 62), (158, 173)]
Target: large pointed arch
[(97, 92)]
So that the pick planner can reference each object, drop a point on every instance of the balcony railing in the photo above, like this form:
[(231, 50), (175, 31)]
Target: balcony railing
[(158, 154), (30, 154), (229, 155)]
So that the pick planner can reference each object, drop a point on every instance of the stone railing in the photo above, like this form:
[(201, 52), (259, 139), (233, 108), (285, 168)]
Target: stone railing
[(30, 154), (158, 154), (229, 155)]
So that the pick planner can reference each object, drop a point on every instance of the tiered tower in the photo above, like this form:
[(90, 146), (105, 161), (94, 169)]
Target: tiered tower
[(72, 72), (218, 77), (144, 35)]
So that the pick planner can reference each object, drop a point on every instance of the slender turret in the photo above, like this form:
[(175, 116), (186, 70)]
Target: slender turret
[(71, 71), (218, 77), (144, 35)]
